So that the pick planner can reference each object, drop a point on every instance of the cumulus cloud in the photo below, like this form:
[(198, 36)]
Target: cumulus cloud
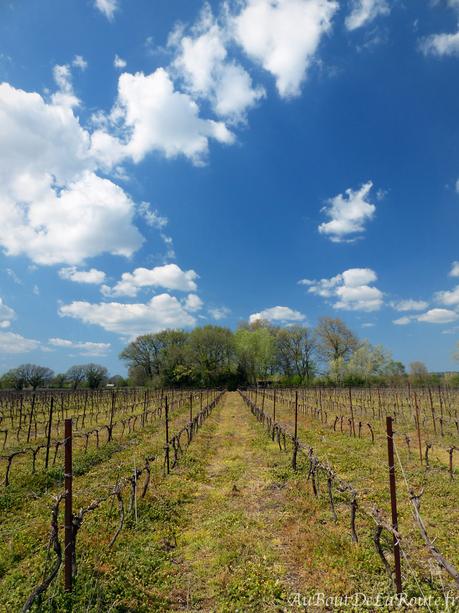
[(351, 290), (402, 321), (448, 298), (65, 96), (281, 314), (283, 36), (130, 320), (410, 305), (82, 276), (15, 343), (219, 313), (348, 213), (202, 61), (454, 272), (444, 44), (55, 208), (441, 44), (365, 11), (107, 7), (193, 303), (7, 315), (432, 316), (85, 348), (154, 116), (439, 316), (119, 63), (169, 276), (79, 62)]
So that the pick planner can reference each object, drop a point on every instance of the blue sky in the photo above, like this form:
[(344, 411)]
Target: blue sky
[(169, 164)]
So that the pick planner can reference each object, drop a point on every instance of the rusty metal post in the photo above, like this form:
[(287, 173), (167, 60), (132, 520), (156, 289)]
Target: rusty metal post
[(69, 544), (393, 500), (48, 436)]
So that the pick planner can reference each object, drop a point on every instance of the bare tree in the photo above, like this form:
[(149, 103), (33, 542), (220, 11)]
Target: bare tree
[(336, 340), (296, 349), (34, 375), (418, 372), (95, 375), (76, 375)]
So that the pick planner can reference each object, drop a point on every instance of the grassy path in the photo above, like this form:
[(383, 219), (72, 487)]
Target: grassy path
[(230, 552)]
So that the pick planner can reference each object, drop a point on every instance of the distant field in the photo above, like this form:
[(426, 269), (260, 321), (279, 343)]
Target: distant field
[(232, 527)]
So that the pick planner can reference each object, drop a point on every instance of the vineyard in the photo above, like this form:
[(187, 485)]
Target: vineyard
[(257, 500)]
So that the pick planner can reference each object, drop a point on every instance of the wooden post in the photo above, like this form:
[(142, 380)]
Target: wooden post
[(32, 407), (167, 438), (432, 409), (295, 437), (191, 407), (68, 549), (393, 500), (418, 425), (145, 404), (352, 412), (48, 437), (110, 428), (274, 407)]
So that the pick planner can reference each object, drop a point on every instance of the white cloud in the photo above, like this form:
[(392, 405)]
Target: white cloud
[(155, 117), (7, 315), (219, 313), (169, 276), (162, 311), (365, 11), (403, 321), (193, 303), (281, 314), (107, 7), (441, 44), (283, 36), (448, 298), (201, 60), (409, 305), (351, 289), (119, 63), (454, 272), (356, 277), (85, 348), (79, 62), (65, 96), (55, 209), (439, 316), (151, 217), (348, 214), (10, 272), (15, 343), (82, 276)]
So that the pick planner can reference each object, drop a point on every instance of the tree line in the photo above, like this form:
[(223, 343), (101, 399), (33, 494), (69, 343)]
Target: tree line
[(260, 351), (329, 354), (34, 376)]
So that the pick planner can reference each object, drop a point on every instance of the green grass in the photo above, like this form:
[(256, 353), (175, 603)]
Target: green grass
[(233, 528)]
